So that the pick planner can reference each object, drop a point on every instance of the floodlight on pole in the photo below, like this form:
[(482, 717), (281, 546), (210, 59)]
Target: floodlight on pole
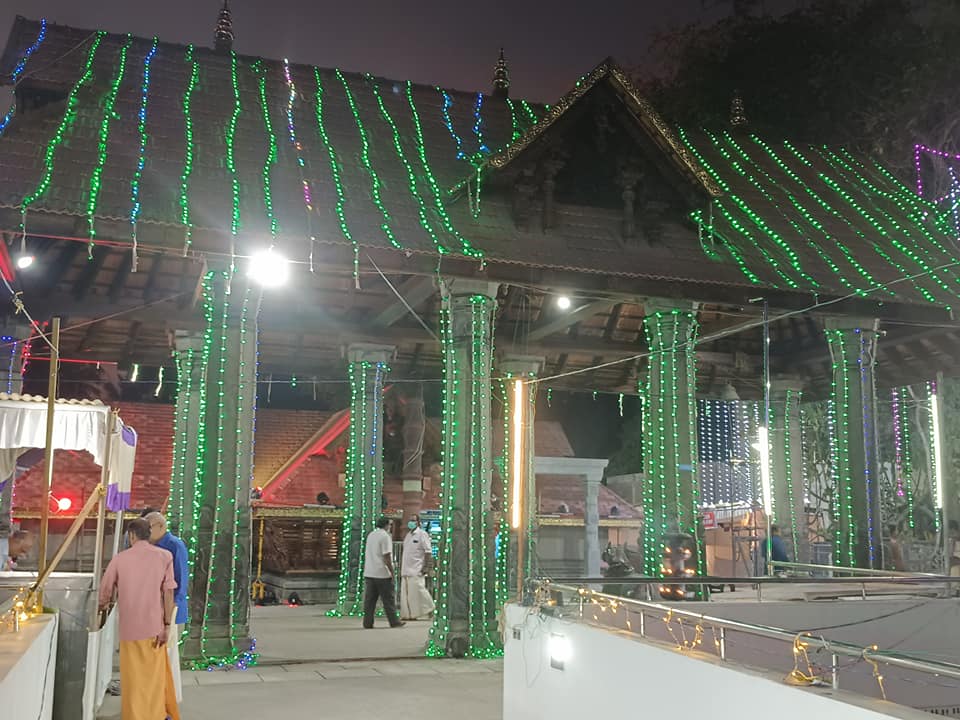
[(24, 261), (269, 268), (763, 447), (516, 510), (563, 302)]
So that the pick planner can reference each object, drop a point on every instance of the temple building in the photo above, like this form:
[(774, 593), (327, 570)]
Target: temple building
[(224, 223)]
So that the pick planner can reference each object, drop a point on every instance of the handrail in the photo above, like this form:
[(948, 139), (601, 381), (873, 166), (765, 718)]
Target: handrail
[(849, 570), (761, 580), (902, 661)]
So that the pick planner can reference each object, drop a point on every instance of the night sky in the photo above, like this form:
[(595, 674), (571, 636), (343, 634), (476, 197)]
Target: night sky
[(549, 44)]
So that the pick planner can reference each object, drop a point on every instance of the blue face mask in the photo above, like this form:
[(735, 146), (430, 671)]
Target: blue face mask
[(412, 525)]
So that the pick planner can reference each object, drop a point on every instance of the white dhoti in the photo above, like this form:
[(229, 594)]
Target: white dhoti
[(415, 600), (173, 653)]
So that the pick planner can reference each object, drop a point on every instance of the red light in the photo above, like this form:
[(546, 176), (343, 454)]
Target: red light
[(64, 504)]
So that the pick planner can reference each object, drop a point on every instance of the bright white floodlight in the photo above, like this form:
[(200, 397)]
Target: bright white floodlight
[(24, 261), (269, 268), (563, 302)]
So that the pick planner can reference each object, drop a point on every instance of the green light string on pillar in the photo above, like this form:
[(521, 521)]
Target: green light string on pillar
[(375, 183), (438, 203), (217, 502), (504, 469), (349, 502), (271, 158), (135, 203), (809, 217), (230, 160), (402, 157), (831, 210), (846, 531), (335, 175), (440, 629), (907, 452), (930, 389), (236, 495), (66, 125), (793, 398), (190, 148), (184, 364), (109, 113)]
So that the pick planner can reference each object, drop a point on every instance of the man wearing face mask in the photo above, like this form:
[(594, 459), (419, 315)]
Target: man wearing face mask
[(415, 600)]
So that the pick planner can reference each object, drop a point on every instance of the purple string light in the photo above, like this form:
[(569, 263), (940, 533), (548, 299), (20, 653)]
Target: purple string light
[(918, 152)]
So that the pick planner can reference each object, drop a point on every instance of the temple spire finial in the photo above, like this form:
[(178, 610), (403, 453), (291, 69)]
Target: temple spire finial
[(223, 36), (501, 77), (738, 116)]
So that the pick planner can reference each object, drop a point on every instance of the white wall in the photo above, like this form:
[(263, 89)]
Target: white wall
[(611, 674), (27, 669)]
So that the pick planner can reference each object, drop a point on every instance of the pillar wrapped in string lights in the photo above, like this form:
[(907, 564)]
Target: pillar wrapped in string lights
[(465, 621), (671, 492), (222, 467), (856, 510), (521, 393), (363, 496), (786, 463), (188, 357)]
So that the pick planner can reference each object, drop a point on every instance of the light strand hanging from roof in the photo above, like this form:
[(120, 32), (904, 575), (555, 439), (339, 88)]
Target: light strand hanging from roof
[(271, 158), (136, 205), (18, 70), (189, 149)]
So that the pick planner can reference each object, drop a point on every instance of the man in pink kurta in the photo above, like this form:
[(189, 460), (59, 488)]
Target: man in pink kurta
[(142, 577)]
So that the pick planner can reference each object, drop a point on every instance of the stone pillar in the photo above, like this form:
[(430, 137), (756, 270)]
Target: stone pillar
[(465, 621), (670, 437), (853, 347), (11, 381), (363, 503), (414, 426), (786, 465), (188, 357), (591, 524), (220, 547), (521, 367)]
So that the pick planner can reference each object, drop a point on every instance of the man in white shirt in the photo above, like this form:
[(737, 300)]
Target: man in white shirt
[(378, 575), (415, 600)]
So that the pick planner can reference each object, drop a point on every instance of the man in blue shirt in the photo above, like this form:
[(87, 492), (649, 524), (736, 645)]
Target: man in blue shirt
[(160, 537), (778, 549)]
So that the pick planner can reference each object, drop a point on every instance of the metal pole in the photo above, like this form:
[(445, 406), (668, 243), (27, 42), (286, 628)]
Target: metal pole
[(766, 424), (101, 520), (48, 452)]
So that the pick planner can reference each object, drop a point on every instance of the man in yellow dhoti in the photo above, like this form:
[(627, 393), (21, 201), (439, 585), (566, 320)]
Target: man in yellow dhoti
[(415, 600), (142, 577)]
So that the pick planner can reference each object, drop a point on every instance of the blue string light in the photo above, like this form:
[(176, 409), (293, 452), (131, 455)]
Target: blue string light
[(447, 104), (15, 75)]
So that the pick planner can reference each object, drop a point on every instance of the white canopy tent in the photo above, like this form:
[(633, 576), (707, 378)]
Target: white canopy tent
[(90, 426)]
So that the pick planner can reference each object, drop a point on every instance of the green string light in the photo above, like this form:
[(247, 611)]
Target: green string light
[(531, 115), (135, 204), (514, 121), (846, 529), (375, 183), (907, 452), (109, 113), (271, 159), (439, 207), (230, 136), (411, 176), (66, 125), (189, 149), (793, 398), (335, 163)]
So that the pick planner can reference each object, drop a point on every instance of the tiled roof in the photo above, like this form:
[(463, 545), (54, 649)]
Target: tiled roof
[(811, 220)]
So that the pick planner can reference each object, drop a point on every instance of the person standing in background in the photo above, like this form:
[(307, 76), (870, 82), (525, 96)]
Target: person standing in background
[(163, 538), (378, 575), (142, 578), (415, 600)]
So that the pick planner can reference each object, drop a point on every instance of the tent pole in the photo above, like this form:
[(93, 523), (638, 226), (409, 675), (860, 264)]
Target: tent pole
[(101, 521), (48, 470)]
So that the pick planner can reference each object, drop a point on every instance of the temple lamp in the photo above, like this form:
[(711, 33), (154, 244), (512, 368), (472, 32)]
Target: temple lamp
[(269, 268)]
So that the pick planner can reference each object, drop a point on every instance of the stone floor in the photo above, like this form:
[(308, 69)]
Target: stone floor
[(315, 666)]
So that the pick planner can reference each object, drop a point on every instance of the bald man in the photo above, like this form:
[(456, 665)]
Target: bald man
[(162, 538)]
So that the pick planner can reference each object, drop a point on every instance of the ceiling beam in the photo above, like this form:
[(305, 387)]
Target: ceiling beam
[(414, 291), (566, 319)]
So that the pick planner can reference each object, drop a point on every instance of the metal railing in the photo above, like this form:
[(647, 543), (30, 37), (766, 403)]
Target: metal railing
[(838, 570), (583, 597)]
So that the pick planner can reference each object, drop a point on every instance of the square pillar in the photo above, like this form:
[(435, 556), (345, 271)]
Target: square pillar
[(219, 591), (856, 511), (414, 426), (363, 497), (786, 465), (465, 621), (524, 368), (188, 357), (671, 488)]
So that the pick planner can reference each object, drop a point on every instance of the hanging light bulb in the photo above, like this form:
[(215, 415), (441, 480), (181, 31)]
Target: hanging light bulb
[(563, 302), (24, 261)]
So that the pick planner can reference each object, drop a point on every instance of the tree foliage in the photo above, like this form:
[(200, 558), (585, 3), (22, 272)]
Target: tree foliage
[(878, 75)]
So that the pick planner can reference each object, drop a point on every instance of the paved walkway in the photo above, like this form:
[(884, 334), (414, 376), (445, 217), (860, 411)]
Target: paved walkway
[(315, 666)]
